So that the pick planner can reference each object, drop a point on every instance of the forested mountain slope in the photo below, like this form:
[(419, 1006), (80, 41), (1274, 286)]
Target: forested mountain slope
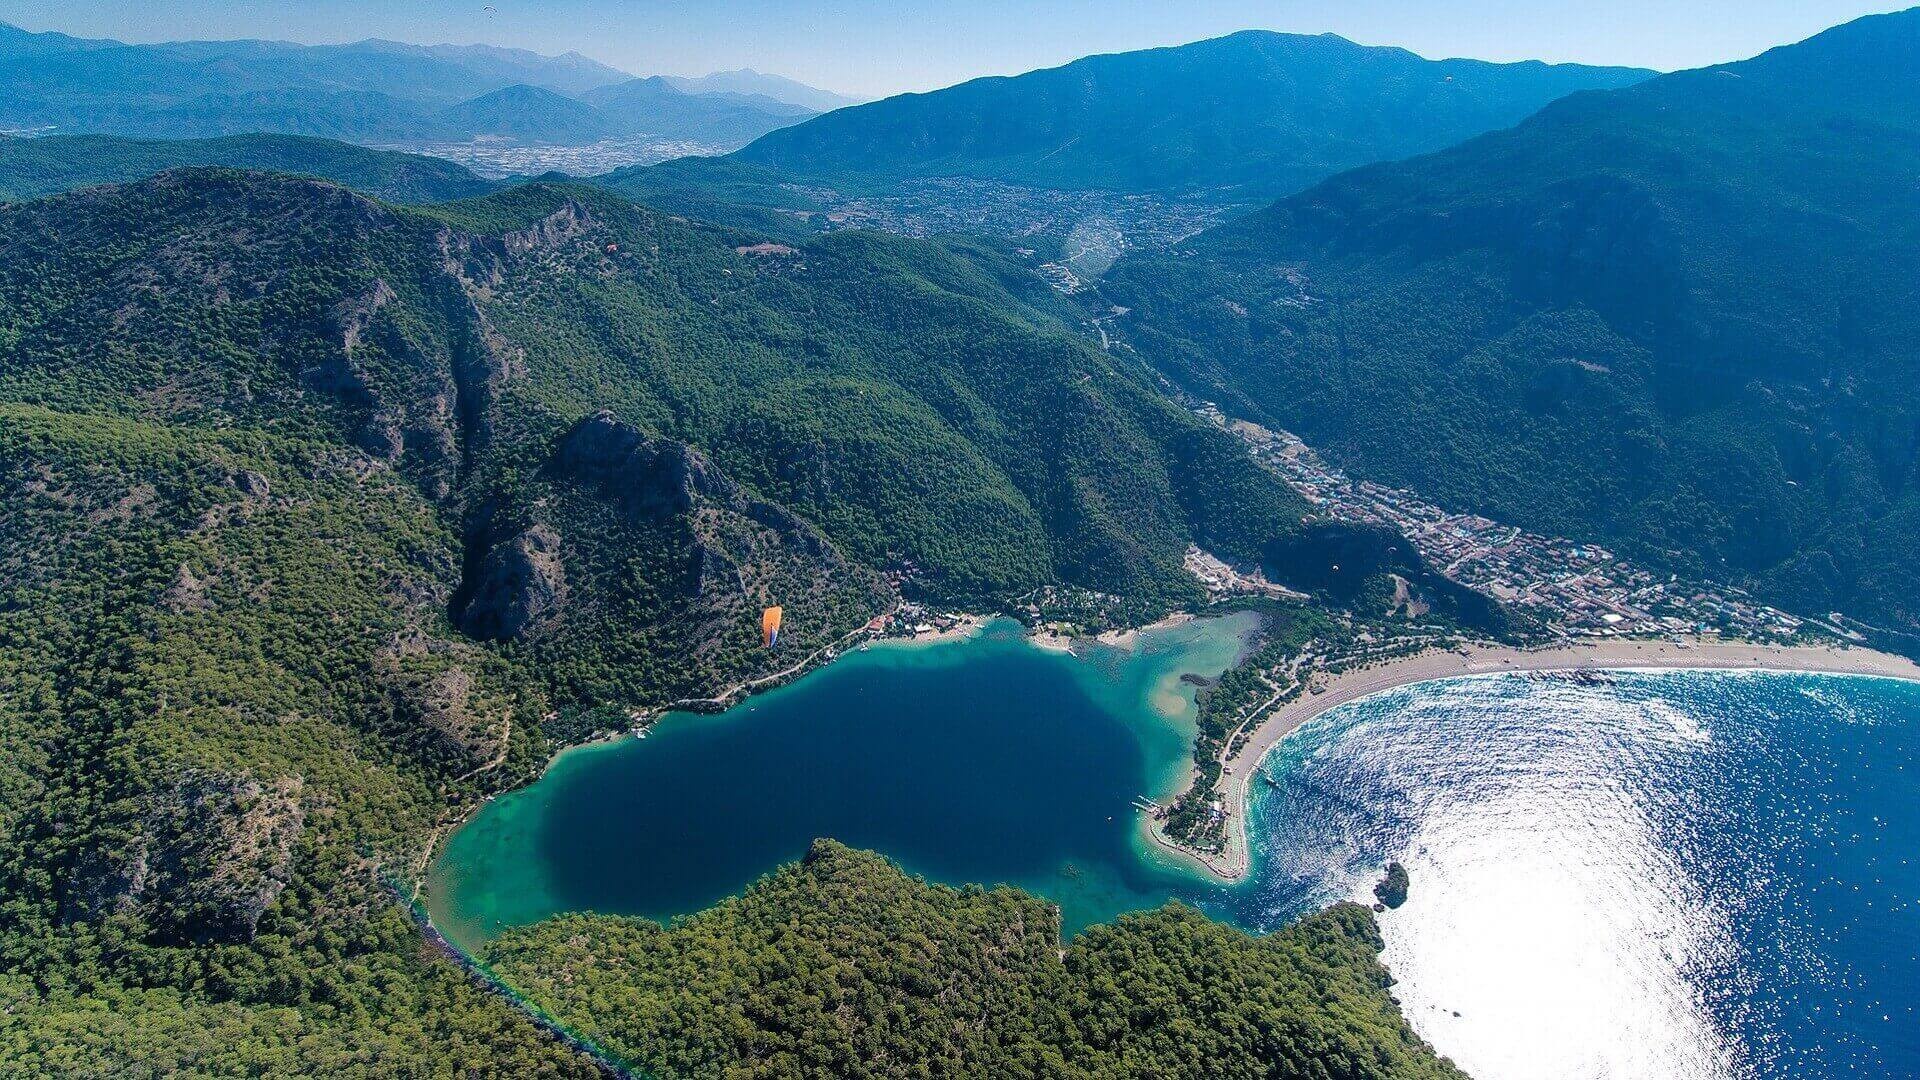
[(226, 716), (324, 518), (1257, 110), (1679, 317), (1228, 123), (44, 166), (843, 966)]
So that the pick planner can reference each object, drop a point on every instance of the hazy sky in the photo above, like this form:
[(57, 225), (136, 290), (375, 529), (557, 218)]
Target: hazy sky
[(876, 47)]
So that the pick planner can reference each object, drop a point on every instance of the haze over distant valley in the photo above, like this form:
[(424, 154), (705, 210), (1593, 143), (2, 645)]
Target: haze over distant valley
[(503, 111)]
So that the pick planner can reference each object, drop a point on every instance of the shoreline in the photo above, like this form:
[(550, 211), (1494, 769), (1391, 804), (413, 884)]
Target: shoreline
[(1231, 865), (964, 626), (1126, 639), (967, 625)]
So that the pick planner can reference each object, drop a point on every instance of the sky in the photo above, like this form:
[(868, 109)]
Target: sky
[(872, 48)]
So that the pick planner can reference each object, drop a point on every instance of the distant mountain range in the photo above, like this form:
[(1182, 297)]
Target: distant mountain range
[(756, 84), (1229, 123), (531, 114), (324, 519), (1679, 317), (1264, 113), (372, 92), (656, 106)]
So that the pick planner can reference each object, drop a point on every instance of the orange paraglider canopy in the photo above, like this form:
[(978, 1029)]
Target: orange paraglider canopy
[(770, 626)]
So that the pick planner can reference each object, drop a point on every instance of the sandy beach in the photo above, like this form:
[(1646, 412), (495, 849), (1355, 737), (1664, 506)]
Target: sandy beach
[(1231, 864), (1125, 639)]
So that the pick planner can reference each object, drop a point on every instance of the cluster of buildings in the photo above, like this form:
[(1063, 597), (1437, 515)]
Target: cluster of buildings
[(493, 157), (914, 620), (1572, 588)]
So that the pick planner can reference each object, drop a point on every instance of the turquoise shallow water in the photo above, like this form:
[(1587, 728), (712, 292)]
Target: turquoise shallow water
[(1677, 875), (986, 760)]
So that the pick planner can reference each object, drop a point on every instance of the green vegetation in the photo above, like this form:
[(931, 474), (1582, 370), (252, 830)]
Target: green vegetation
[(322, 519), (1234, 121), (218, 723), (842, 966), (1232, 700), (30, 168), (1392, 887), (900, 395), (1372, 601), (1673, 318)]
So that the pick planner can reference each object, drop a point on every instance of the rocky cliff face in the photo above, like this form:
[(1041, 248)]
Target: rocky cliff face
[(648, 477), (727, 536), (656, 477), (521, 586), (629, 537)]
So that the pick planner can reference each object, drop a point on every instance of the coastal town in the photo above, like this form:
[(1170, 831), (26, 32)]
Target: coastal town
[(1575, 589), (1597, 608)]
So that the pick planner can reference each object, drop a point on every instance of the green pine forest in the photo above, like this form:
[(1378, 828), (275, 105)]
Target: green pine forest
[(338, 497), (842, 965), (324, 518)]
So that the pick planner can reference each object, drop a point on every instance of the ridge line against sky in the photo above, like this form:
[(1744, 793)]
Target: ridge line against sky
[(871, 48)]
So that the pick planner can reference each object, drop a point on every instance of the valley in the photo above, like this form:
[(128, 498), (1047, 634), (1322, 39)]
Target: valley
[(1245, 555), (502, 158), (1573, 589)]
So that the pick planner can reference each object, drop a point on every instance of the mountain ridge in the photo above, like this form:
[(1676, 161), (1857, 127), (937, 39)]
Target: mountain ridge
[(46, 165), (1697, 274), (657, 107), (372, 91), (325, 519), (777, 87), (530, 114), (1233, 92)]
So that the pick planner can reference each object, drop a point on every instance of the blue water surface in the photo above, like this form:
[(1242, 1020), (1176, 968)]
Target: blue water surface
[(1681, 874), (1672, 875)]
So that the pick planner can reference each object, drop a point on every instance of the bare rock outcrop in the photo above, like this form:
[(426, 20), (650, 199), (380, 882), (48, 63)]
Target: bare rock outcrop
[(657, 477), (520, 587), (627, 536)]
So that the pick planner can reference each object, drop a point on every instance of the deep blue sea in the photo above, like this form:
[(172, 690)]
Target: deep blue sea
[(1672, 876), (1679, 875)]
